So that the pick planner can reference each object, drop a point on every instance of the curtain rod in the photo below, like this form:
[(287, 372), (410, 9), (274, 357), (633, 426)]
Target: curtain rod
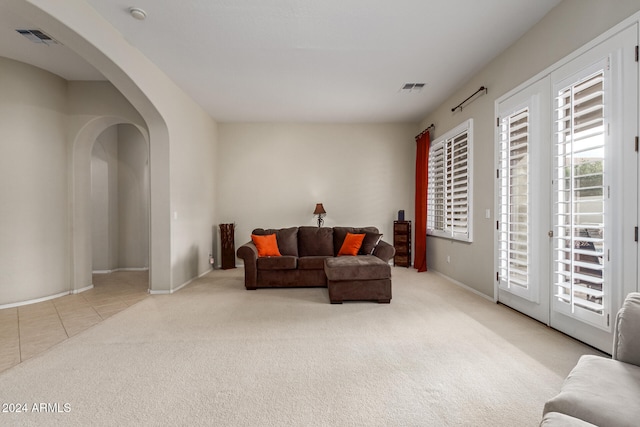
[(482, 88), (431, 126)]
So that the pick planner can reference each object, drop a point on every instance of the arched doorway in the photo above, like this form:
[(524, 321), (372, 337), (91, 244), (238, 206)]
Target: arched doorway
[(120, 209), (110, 198), (120, 200)]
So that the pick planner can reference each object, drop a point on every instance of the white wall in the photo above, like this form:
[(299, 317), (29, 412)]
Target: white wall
[(133, 198), (567, 27), (272, 175), (193, 192), (120, 199), (104, 200), (33, 183)]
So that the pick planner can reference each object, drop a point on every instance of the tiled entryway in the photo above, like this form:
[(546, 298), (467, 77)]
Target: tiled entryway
[(31, 329)]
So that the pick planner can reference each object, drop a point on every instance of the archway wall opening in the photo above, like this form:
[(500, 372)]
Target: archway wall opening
[(182, 144), (120, 200), (96, 110), (40, 169)]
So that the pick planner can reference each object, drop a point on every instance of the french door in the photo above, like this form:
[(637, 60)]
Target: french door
[(567, 191), (522, 244)]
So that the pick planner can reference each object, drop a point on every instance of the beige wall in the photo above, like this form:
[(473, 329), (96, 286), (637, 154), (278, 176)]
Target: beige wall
[(33, 185), (193, 196), (104, 201), (120, 199), (272, 175), (133, 198), (566, 28)]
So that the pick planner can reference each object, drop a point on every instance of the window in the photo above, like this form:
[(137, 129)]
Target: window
[(449, 188)]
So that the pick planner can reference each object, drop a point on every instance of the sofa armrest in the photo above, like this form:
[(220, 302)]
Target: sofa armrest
[(626, 334), (249, 254), (384, 251)]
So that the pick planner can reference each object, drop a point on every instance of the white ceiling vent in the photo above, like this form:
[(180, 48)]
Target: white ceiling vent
[(412, 87), (38, 36)]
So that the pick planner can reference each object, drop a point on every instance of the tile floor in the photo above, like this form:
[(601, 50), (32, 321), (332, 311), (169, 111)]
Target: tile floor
[(31, 329)]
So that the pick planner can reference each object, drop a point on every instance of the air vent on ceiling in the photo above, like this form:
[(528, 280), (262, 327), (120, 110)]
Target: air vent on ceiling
[(38, 36), (412, 87)]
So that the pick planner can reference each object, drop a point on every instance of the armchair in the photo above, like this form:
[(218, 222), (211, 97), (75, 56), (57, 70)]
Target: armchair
[(601, 391)]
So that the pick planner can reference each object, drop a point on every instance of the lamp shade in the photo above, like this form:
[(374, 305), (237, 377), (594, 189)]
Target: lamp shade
[(319, 209)]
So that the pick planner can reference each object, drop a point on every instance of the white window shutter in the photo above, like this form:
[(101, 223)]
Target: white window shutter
[(514, 203), (580, 197), (449, 186)]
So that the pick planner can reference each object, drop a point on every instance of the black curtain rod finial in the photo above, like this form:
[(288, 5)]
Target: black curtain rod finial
[(431, 126), (482, 88)]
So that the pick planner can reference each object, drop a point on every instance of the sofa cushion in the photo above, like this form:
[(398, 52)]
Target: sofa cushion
[(287, 239), (369, 243), (361, 267), (555, 419), (351, 244), (284, 262), (315, 241), (626, 339), (339, 234), (266, 245), (311, 262), (600, 391)]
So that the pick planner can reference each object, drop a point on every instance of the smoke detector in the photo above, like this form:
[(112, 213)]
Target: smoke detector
[(138, 13)]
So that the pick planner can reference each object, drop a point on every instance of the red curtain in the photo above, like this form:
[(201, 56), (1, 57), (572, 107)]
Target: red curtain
[(422, 168)]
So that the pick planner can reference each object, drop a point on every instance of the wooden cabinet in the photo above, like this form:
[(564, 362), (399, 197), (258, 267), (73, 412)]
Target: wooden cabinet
[(227, 244), (402, 243)]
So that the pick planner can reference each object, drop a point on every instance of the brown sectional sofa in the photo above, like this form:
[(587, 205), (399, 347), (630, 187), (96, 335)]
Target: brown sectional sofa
[(304, 251)]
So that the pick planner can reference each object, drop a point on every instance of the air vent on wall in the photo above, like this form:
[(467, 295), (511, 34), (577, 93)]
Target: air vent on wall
[(412, 87), (38, 36)]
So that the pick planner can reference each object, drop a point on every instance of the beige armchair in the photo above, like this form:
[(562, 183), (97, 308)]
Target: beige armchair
[(601, 391)]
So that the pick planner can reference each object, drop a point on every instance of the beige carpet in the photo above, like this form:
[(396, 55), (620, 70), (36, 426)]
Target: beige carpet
[(216, 354)]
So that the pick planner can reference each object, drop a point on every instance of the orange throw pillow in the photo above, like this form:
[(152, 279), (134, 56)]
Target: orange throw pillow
[(351, 244), (266, 245)]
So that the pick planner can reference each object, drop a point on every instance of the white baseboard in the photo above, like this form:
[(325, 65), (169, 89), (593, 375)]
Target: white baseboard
[(462, 285), (120, 269), (86, 288), (33, 301), (72, 291), (167, 292)]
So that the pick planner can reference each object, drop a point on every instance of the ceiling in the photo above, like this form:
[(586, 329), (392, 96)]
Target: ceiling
[(303, 60)]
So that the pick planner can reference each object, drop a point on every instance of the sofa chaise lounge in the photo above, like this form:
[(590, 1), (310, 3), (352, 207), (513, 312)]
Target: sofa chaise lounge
[(309, 257)]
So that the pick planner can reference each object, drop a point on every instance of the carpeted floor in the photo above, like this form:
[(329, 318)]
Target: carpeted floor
[(216, 354)]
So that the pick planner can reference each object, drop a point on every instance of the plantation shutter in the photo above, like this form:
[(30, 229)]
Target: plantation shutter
[(457, 178), (449, 186), (435, 188), (580, 198), (513, 203)]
